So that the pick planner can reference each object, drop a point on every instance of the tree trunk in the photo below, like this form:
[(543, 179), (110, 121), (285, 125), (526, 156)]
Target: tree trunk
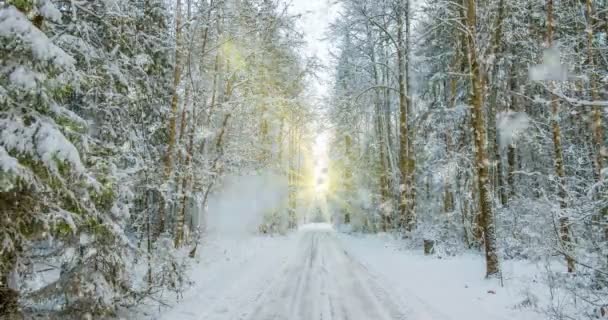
[(168, 161), (448, 199), (291, 176), (348, 175), (175, 97), (429, 246), (596, 126), (564, 223), (180, 223), (481, 157), (380, 134), (494, 135), (411, 159), (404, 165), (511, 150)]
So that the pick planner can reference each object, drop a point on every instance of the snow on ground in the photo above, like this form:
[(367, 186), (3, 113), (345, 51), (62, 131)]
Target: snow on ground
[(450, 288), (322, 281), (318, 273), (230, 275)]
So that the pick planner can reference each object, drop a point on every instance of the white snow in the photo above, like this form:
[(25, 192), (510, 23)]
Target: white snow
[(50, 11), (316, 226), (550, 69), (24, 78), (510, 125), (52, 145), (8, 163), (14, 24), (142, 60), (447, 288), (317, 273), (57, 216), (40, 140), (230, 275)]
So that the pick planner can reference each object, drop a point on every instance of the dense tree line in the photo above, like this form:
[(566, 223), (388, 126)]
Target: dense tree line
[(480, 124), (117, 120)]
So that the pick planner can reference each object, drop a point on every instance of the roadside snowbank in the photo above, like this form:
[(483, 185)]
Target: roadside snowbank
[(450, 288)]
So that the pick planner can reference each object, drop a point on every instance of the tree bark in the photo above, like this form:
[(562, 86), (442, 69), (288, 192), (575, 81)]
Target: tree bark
[(380, 133), (511, 150), (493, 107), (564, 223), (411, 159), (596, 126), (175, 97), (404, 161), (168, 161), (481, 157), (348, 175), (292, 175)]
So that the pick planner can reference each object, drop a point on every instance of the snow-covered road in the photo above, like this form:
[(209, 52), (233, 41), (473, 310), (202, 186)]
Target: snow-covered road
[(312, 278), (318, 273), (322, 281)]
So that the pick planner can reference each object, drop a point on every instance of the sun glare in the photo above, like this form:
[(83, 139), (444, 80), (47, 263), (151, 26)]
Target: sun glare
[(321, 163)]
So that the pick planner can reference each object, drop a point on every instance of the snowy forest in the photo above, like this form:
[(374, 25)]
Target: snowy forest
[(196, 159)]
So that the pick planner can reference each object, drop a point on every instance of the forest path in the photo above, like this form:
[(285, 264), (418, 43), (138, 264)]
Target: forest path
[(317, 273), (322, 281), (310, 276)]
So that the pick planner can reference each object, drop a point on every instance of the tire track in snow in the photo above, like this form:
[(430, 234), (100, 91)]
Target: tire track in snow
[(423, 309), (323, 282)]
